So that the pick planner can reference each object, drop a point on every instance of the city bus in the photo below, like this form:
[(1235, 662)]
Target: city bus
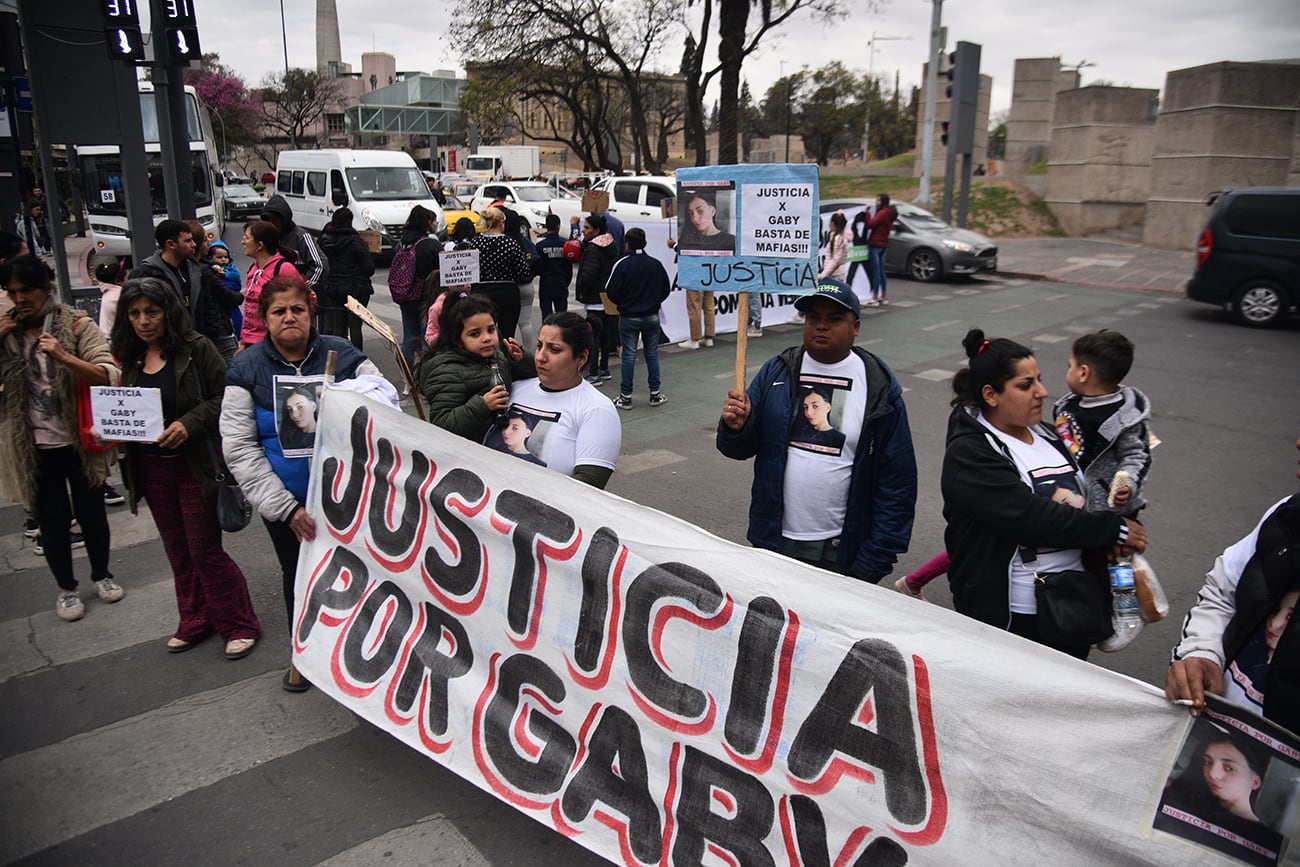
[(102, 180)]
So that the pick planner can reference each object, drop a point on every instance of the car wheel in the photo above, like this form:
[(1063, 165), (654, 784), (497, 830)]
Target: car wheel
[(1259, 303), (924, 266)]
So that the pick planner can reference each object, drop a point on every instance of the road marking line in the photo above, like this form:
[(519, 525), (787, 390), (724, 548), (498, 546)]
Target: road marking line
[(934, 374), (941, 325), (650, 459), (413, 844), (1050, 338), (42, 641), (61, 791)]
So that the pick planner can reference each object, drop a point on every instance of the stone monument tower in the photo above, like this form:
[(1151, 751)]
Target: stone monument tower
[(328, 49)]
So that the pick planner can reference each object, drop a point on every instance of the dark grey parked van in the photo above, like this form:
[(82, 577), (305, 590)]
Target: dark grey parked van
[(1248, 255)]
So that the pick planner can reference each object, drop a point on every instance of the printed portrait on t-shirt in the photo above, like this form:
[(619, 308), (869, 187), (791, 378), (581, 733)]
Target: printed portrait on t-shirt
[(523, 434), (820, 414), (297, 407)]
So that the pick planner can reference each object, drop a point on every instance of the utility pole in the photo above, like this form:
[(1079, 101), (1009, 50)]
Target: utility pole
[(787, 113), (931, 82), (871, 60)]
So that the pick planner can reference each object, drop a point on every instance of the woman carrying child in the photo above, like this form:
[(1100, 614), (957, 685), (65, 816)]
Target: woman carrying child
[(467, 375), (1011, 491)]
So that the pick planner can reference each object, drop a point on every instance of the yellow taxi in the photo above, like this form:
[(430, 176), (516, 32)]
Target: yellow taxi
[(455, 208)]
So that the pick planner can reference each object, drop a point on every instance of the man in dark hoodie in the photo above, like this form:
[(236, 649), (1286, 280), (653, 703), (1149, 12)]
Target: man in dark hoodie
[(176, 265), (313, 267)]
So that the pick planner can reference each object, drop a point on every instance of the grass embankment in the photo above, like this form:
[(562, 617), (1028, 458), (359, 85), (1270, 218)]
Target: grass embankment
[(998, 208)]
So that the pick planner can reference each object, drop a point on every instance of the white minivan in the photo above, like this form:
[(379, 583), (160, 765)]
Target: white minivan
[(380, 187)]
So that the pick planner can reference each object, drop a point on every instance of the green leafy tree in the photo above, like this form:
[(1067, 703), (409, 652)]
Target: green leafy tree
[(832, 115)]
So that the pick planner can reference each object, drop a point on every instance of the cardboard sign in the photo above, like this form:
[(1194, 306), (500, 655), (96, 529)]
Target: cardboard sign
[(127, 415), (595, 202), (458, 267)]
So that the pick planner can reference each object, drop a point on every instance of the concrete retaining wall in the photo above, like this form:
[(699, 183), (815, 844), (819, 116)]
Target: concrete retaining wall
[(1222, 125)]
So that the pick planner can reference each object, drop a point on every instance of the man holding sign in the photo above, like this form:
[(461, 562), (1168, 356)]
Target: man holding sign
[(834, 471)]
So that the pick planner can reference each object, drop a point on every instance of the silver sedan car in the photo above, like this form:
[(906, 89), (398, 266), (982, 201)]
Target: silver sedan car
[(922, 246)]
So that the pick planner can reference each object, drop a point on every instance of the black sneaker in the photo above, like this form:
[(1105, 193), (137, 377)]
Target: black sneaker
[(112, 497), (78, 541), (31, 529), (658, 399)]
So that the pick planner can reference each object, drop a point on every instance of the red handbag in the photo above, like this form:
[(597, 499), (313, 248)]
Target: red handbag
[(90, 444)]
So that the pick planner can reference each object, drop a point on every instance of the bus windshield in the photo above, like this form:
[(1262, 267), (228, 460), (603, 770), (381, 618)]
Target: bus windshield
[(102, 176), (387, 183), (149, 118)]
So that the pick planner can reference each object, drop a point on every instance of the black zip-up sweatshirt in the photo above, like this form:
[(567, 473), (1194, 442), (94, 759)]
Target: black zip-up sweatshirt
[(991, 512)]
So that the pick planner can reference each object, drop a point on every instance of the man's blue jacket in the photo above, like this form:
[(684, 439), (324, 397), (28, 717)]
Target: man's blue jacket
[(882, 489)]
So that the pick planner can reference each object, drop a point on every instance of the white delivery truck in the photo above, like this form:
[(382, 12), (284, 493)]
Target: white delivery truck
[(379, 187), (503, 162)]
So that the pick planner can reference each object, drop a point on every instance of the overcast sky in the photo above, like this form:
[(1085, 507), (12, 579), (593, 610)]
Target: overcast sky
[(1128, 42)]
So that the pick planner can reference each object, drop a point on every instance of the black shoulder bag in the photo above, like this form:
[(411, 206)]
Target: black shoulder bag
[(233, 509), (1074, 607)]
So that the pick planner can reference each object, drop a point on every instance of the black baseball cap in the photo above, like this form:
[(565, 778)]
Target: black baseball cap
[(832, 290)]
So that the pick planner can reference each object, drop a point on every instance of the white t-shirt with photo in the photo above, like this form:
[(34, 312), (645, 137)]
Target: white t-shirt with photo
[(1050, 475), (571, 428), (819, 459)]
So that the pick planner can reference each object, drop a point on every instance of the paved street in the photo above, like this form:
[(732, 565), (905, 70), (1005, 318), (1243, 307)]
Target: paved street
[(115, 752)]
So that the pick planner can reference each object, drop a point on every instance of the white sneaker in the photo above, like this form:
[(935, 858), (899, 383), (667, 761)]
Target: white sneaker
[(69, 606), (871, 303), (689, 344), (754, 332), (109, 590), (706, 341), (1122, 638)]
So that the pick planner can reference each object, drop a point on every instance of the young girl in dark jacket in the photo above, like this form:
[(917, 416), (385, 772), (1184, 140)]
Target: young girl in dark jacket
[(456, 378)]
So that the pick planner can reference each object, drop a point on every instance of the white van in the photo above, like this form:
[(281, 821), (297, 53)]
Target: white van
[(380, 188)]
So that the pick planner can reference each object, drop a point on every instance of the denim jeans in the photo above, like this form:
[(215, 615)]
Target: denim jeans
[(877, 271), (412, 330), (647, 328)]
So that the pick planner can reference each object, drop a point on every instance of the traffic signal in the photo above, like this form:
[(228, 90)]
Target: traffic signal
[(177, 29), (950, 72), (944, 138), (122, 31), (964, 92)]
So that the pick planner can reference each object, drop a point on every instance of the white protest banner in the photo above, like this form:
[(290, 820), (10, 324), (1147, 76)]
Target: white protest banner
[(458, 267), (127, 415), (749, 228), (662, 696)]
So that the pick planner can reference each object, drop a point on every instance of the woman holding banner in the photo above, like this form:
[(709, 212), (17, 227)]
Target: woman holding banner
[(1001, 470), (276, 485), (573, 428), (155, 342)]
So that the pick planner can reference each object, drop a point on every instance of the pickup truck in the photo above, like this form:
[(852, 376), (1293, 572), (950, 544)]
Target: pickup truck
[(636, 198)]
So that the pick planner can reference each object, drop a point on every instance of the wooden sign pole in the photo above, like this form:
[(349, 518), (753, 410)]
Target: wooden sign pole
[(382, 329)]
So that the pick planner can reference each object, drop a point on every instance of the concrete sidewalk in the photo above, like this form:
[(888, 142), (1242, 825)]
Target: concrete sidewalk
[(1091, 262)]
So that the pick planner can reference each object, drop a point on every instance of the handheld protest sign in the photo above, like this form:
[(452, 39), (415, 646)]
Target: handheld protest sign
[(382, 329), (458, 267), (127, 415), (746, 229)]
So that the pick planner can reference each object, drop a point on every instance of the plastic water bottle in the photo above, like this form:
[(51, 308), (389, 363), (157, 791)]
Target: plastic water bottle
[(1123, 591), (501, 417)]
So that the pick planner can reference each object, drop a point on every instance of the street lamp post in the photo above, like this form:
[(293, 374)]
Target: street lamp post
[(284, 38), (871, 61), (787, 112)]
